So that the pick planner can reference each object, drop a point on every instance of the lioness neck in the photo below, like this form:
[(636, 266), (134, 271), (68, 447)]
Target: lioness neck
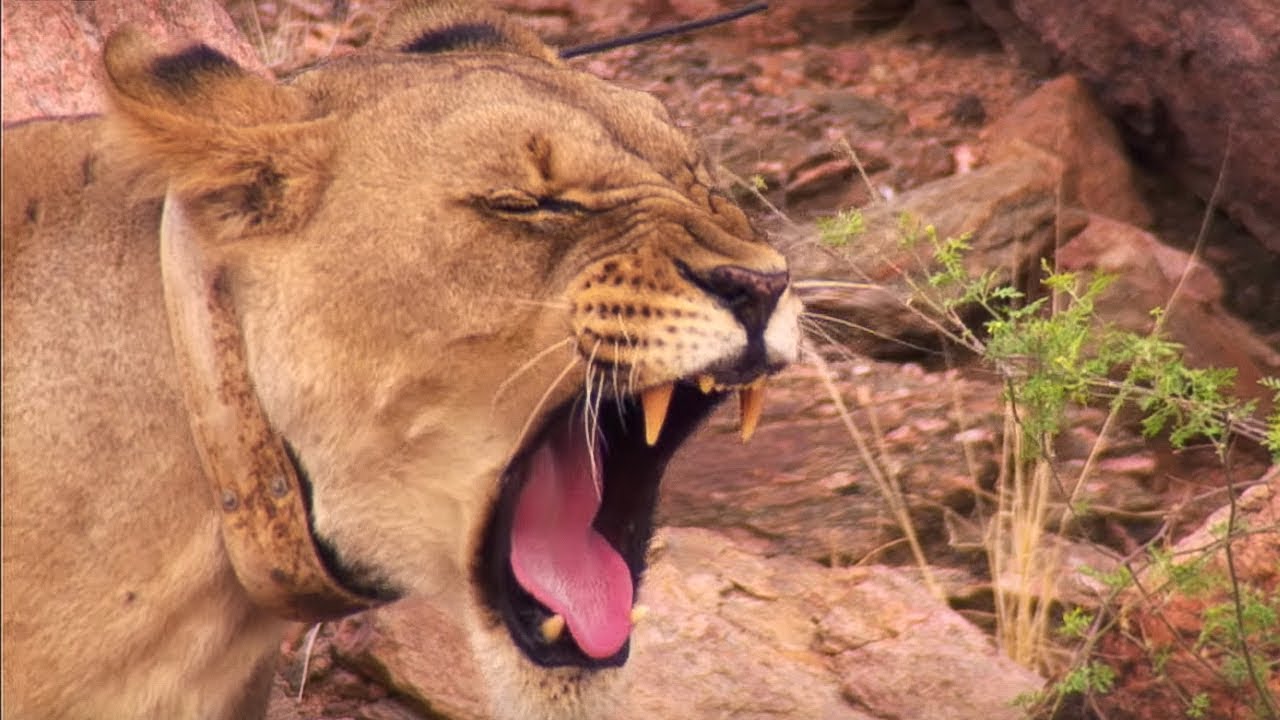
[(153, 624)]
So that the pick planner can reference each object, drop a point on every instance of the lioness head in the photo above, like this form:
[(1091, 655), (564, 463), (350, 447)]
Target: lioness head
[(484, 297)]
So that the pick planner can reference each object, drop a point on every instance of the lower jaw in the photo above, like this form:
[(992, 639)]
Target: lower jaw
[(632, 469)]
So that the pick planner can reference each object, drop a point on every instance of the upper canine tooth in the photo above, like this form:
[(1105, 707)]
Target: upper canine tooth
[(552, 628), (706, 383), (655, 401), (751, 403)]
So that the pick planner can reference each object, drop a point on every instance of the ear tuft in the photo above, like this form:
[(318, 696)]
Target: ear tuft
[(196, 80), (440, 26), (185, 68), (464, 36), (245, 155)]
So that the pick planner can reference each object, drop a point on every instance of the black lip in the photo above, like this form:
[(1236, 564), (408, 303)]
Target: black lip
[(357, 578), (632, 472)]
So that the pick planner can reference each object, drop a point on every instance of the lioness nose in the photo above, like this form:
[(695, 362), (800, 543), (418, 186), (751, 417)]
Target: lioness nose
[(750, 295)]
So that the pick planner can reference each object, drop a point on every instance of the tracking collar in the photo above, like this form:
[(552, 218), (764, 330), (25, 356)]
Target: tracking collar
[(255, 485)]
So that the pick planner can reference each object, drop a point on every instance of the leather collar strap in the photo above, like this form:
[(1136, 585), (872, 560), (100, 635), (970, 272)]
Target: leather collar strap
[(255, 486)]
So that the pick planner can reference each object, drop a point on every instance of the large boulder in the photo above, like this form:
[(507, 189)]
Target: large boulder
[(732, 635), (735, 635), (1149, 274), (1062, 118), (870, 280), (1195, 83)]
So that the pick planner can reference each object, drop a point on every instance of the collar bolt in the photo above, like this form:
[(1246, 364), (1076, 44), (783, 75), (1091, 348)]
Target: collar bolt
[(279, 487)]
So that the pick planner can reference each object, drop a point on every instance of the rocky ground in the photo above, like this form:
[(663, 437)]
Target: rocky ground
[(782, 584)]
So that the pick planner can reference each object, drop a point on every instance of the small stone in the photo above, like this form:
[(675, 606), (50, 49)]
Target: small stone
[(838, 480), (932, 426), (975, 435), (968, 110), (1138, 465)]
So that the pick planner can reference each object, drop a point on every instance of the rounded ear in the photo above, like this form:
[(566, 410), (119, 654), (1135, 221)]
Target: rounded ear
[(246, 155), (439, 26)]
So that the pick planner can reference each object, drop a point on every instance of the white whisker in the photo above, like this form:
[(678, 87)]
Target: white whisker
[(593, 433), (502, 387), (862, 328), (631, 377), (813, 328), (552, 304), (617, 391), (590, 411), (588, 381), (524, 431)]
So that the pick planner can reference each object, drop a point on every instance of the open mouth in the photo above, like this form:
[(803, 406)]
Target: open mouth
[(564, 549)]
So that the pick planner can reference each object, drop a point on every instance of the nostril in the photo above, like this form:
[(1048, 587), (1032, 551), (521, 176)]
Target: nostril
[(740, 286), (749, 294)]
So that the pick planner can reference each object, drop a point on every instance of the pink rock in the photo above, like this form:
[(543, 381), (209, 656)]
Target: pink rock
[(1147, 273), (53, 50), (1189, 79), (1063, 119)]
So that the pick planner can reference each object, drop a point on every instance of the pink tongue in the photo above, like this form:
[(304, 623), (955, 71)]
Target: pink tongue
[(557, 556)]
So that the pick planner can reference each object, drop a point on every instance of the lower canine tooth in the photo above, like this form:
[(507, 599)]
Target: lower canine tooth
[(655, 401), (751, 404), (638, 613), (552, 628)]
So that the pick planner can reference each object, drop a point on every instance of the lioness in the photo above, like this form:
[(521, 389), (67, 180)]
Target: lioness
[(474, 298)]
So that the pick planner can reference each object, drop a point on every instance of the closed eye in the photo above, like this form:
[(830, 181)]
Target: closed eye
[(513, 202), (558, 205)]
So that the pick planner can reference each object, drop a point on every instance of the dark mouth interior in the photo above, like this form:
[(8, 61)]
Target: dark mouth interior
[(631, 471)]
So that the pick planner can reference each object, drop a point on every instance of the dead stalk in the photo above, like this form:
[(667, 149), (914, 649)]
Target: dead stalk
[(887, 485)]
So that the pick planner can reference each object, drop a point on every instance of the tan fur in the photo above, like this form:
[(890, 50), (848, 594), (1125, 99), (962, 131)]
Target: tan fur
[(391, 290)]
